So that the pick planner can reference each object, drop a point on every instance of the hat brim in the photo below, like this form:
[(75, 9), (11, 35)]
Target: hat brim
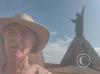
[(40, 31)]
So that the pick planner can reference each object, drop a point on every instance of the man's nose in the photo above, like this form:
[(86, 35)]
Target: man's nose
[(19, 36)]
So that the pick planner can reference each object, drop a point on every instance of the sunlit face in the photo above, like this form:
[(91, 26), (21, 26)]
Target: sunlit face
[(18, 41)]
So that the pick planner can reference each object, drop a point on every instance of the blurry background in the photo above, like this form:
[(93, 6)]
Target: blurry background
[(56, 15)]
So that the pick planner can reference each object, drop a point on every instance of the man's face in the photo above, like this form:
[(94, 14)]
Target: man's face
[(18, 41)]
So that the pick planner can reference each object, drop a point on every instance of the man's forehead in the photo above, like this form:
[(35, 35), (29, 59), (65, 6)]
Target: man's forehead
[(16, 26)]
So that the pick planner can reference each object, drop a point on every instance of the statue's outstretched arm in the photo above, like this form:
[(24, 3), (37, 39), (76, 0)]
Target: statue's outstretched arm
[(83, 10), (78, 15), (74, 21)]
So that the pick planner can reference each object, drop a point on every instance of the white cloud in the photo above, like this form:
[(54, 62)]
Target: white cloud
[(53, 33), (54, 51), (98, 50)]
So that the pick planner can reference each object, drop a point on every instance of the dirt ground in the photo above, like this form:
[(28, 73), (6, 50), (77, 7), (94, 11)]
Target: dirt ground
[(73, 70)]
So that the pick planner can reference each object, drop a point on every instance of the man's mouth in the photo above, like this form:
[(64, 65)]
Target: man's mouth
[(17, 51), (18, 54)]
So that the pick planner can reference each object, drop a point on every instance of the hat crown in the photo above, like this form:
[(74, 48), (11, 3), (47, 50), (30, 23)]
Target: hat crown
[(24, 16)]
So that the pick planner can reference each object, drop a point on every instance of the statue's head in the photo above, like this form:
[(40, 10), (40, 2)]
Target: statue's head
[(77, 14)]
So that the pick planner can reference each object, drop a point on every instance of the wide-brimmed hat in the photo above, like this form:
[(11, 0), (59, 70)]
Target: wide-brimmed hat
[(26, 20)]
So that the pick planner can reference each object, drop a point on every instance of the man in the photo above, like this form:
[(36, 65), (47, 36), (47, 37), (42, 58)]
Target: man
[(23, 38)]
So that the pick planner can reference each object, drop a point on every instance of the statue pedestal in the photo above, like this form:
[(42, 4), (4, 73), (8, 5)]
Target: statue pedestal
[(77, 47)]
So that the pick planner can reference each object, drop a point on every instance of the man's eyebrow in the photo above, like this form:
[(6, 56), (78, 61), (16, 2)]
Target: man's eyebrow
[(9, 29)]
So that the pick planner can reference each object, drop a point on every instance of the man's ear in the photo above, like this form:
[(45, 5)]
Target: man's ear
[(39, 44), (36, 45)]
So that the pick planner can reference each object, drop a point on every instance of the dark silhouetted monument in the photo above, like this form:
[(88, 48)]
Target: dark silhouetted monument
[(80, 52)]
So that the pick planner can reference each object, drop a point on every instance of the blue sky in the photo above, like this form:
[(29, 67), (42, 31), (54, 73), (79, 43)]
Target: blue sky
[(56, 15)]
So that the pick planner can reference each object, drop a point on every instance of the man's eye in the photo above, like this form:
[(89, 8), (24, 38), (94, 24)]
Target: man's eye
[(10, 32), (25, 33)]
